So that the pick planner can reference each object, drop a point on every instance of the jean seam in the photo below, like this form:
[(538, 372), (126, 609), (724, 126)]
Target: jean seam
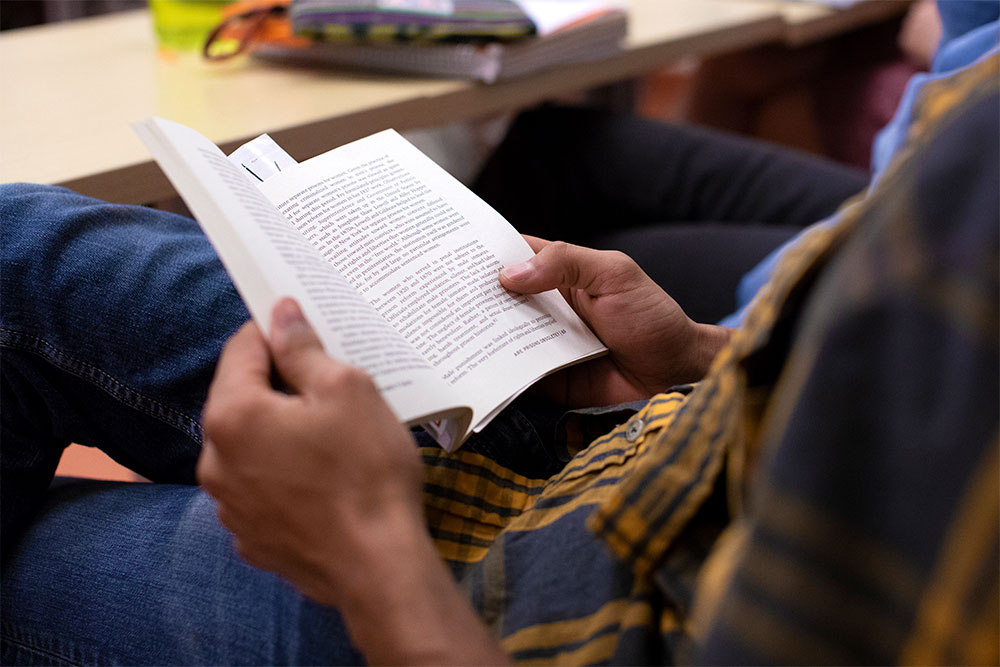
[(25, 644), (100, 378)]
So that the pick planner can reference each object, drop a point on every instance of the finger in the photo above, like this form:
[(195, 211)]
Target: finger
[(242, 377), (297, 350), (252, 555), (566, 266), (536, 243), (245, 362), (207, 470), (225, 516)]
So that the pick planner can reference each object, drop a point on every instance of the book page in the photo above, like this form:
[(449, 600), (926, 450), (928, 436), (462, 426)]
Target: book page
[(426, 253), (261, 158), (268, 259)]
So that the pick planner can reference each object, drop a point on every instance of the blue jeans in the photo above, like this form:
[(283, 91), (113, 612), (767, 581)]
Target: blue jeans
[(119, 573), (111, 321)]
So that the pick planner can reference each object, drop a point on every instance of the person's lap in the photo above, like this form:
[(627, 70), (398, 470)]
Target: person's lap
[(113, 318), (134, 573), (101, 572)]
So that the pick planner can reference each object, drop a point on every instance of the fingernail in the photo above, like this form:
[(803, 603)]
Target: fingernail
[(517, 271), (287, 314)]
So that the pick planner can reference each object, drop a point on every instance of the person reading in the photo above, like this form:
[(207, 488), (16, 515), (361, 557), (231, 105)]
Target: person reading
[(821, 493)]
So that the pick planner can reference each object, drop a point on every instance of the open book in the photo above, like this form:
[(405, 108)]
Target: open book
[(567, 31), (393, 261)]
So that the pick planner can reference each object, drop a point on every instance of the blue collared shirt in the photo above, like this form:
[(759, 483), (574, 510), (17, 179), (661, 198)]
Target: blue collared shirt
[(970, 33)]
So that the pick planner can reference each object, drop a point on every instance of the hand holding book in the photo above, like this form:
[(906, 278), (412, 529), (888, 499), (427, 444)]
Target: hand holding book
[(393, 261), (653, 344)]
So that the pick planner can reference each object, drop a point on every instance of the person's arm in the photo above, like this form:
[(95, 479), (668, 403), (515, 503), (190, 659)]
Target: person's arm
[(653, 344), (323, 486)]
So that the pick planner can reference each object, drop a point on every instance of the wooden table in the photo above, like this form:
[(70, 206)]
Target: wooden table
[(808, 22), (69, 92)]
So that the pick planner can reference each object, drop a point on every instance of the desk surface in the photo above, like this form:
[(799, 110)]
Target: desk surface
[(70, 91), (807, 22)]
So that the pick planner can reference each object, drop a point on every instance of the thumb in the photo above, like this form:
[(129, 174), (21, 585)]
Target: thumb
[(561, 265), (295, 347)]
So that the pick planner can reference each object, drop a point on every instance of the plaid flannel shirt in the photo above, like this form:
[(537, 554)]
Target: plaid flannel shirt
[(828, 493)]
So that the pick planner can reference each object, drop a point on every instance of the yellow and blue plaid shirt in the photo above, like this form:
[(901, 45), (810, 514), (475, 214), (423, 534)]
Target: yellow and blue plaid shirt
[(828, 493)]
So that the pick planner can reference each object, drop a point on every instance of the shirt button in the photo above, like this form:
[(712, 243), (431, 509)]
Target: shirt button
[(634, 430)]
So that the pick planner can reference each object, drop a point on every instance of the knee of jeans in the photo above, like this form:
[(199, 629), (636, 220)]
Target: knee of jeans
[(22, 202), (37, 225), (8, 190), (28, 211)]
